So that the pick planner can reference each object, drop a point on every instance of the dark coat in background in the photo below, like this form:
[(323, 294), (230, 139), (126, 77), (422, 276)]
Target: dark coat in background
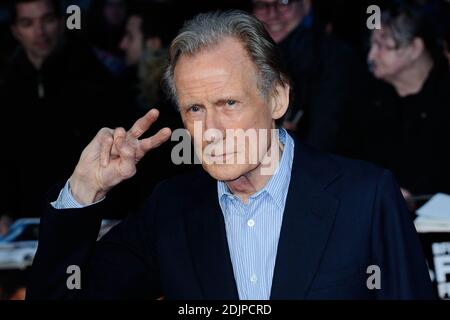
[(326, 74), (408, 135), (48, 117)]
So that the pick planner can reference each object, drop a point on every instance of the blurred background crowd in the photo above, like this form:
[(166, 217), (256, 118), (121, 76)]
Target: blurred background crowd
[(379, 95)]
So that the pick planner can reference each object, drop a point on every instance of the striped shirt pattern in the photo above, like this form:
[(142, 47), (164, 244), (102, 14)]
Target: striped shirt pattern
[(253, 229)]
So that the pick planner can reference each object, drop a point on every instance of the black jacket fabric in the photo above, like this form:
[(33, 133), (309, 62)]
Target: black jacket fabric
[(409, 135), (48, 117)]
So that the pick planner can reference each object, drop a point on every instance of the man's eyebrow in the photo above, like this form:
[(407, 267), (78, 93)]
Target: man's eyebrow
[(189, 104), (227, 97), (222, 101)]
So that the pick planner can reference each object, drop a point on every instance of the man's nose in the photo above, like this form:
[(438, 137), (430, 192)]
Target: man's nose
[(39, 30), (372, 53), (212, 124), (211, 120), (272, 12)]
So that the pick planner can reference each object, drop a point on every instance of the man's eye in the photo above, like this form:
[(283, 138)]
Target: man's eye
[(231, 103), (25, 23), (194, 109)]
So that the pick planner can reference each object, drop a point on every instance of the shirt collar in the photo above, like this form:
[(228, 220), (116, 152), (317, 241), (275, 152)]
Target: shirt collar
[(278, 184)]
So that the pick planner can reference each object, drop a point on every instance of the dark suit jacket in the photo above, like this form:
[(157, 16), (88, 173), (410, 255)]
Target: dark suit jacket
[(341, 216)]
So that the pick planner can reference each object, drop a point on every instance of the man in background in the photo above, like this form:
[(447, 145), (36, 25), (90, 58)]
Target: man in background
[(51, 83), (324, 70), (404, 126), (145, 48)]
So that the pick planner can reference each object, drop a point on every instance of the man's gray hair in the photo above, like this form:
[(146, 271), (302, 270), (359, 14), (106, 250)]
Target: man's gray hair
[(207, 30), (406, 20)]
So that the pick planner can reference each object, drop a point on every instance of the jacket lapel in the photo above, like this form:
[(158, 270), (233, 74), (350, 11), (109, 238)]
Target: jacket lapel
[(209, 246), (307, 221)]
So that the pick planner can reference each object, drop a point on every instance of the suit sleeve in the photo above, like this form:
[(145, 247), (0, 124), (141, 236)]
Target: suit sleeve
[(121, 265), (395, 246)]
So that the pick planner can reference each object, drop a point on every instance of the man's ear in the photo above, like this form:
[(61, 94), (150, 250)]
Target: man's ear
[(417, 47), (153, 43), (280, 100)]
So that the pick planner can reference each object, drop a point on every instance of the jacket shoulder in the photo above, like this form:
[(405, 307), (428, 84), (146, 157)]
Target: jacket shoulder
[(358, 168)]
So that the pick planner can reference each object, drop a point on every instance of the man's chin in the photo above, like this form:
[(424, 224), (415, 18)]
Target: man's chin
[(42, 53), (226, 172), (378, 74)]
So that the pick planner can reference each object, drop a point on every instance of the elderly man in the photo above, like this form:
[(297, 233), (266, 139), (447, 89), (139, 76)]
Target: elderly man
[(310, 228)]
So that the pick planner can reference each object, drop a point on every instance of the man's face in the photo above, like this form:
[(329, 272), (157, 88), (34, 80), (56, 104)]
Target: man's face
[(37, 28), (280, 17), (217, 89), (133, 41), (385, 57)]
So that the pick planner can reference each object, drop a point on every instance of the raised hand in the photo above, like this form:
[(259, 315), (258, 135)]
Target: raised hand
[(111, 158)]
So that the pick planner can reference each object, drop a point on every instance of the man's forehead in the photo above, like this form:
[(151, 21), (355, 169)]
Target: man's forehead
[(224, 69), (34, 9), (228, 54), (218, 64)]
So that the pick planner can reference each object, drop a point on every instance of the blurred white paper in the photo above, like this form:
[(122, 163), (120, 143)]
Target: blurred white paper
[(438, 207), (434, 216)]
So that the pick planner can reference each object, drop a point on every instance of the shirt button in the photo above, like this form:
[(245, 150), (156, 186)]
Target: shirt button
[(253, 278), (251, 223)]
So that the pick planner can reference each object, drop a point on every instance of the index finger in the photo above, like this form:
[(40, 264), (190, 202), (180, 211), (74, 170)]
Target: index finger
[(142, 124)]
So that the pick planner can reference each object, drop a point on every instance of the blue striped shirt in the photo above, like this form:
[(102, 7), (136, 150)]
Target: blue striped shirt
[(253, 229)]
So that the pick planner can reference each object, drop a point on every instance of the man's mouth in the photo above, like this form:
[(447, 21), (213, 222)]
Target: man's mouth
[(42, 44), (223, 155), (275, 27), (220, 158)]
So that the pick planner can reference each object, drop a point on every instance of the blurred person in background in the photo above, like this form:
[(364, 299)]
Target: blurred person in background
[(406, 126), (324, 70), (145, 48), (52, 82), (106, 25)]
